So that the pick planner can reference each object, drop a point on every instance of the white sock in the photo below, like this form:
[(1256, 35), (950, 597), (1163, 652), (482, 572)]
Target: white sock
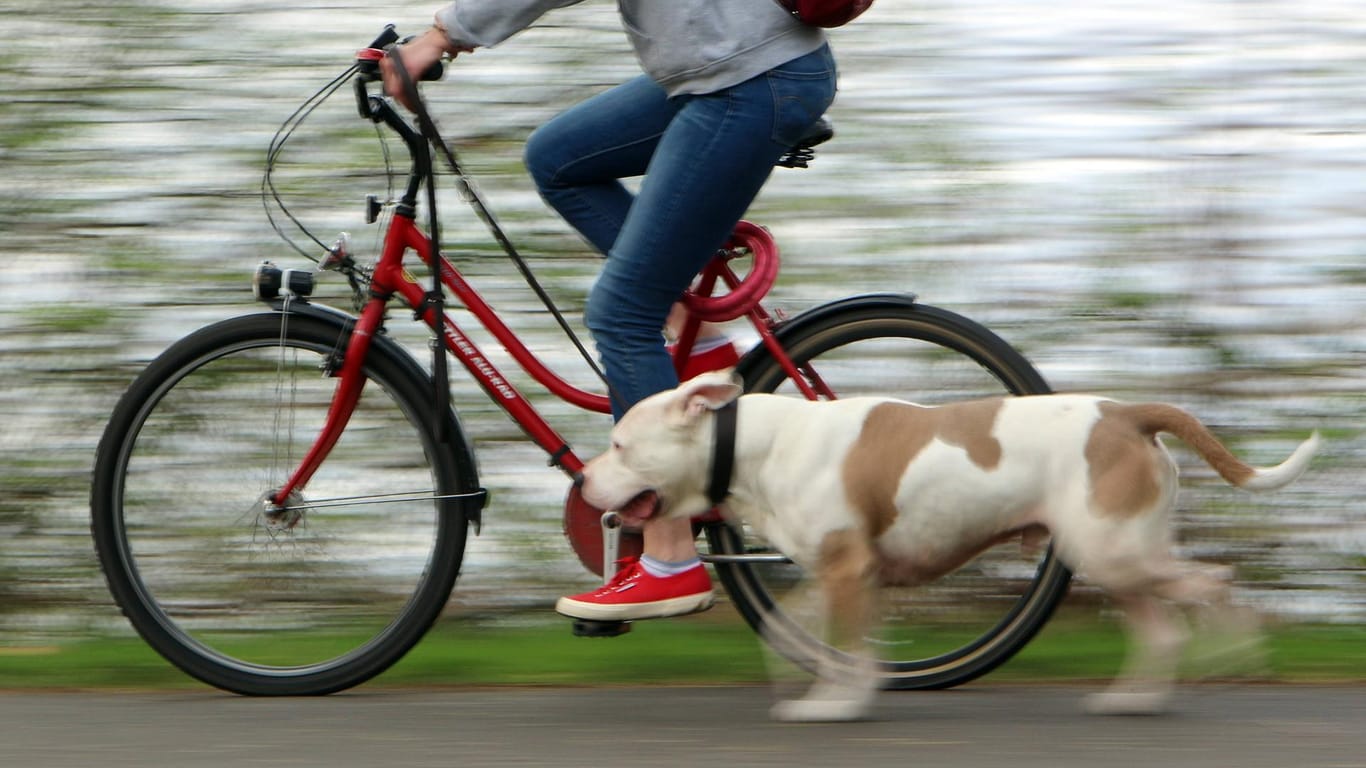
[(661, 569)]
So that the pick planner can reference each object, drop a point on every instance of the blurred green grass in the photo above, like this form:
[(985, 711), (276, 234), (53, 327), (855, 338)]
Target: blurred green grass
[(699, 650)]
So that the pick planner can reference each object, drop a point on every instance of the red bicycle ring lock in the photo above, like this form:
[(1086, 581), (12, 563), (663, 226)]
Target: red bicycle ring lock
[(744, 293)]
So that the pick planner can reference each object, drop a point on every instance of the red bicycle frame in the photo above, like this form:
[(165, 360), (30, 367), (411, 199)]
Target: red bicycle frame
[(390, 278)]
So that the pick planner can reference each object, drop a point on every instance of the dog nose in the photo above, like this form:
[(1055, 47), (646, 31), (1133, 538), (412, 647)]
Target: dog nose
[(578, 479)]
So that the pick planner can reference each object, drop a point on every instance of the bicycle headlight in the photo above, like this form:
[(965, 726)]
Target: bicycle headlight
[(270, 282)]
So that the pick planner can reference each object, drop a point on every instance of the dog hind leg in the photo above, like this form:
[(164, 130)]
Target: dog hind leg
[(1156, 637), (1228, 637), (1158, 634)]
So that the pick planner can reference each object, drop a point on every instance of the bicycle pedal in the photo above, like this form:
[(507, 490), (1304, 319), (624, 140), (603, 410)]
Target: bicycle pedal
[(588, 628)]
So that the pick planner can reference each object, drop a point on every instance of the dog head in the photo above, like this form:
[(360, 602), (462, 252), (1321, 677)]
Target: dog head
[(660, 454)]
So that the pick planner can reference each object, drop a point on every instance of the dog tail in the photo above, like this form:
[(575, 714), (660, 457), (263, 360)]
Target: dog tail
[(1156, 417)]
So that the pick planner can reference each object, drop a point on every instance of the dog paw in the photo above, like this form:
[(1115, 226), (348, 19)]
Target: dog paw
[(820, 711), (1127, 703)]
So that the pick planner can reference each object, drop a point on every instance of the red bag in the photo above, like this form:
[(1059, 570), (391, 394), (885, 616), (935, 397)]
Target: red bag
[(825, 13)]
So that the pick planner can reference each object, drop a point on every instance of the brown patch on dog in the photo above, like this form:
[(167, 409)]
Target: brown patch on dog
[(1121, 463), (968, 426), (894, 434), (1121, 452)]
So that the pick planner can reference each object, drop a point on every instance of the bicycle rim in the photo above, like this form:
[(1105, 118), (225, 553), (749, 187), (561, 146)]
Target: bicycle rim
[(316, 599), (931, 636)]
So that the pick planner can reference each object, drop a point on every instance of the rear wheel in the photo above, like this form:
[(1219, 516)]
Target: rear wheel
[(933, 636), (311, 599)]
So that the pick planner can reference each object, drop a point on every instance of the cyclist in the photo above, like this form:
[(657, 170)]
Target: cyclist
[(729, 87)]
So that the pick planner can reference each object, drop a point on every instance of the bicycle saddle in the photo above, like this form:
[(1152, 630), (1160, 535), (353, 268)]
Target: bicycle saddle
[(803, 152)]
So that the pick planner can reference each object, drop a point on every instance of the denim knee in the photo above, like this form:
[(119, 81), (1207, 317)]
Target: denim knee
[(596, 316), (616, 319), (537, 156)]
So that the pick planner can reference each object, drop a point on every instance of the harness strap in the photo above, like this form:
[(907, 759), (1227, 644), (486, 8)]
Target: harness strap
[(723, 452)]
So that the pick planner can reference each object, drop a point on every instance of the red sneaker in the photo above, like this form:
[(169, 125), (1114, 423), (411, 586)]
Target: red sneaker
[(634, 594), (715, 359)]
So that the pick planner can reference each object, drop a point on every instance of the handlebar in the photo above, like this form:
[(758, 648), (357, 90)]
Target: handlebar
[(368, 58), (379, 109)]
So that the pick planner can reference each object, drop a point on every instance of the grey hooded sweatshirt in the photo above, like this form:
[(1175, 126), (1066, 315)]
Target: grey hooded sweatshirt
[(687, 46)]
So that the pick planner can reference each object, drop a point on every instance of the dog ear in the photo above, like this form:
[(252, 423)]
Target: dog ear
[(707, 392)]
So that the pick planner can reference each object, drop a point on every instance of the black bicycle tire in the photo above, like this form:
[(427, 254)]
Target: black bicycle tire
[(407, 385), (963, 336)]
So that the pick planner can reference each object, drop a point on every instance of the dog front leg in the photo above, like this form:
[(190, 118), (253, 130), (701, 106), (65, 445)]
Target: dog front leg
[(846, 671)]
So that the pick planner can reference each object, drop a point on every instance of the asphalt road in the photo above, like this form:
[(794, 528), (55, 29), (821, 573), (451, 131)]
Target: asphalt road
[(1016, 726)]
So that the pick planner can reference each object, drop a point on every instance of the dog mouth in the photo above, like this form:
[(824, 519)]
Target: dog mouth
[(641, 507)]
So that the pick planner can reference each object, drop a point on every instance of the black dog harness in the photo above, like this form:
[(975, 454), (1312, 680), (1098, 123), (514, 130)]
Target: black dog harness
[(723, 452)]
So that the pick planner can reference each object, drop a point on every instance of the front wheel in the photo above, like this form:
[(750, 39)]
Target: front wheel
[(932, 636), (311, 599)]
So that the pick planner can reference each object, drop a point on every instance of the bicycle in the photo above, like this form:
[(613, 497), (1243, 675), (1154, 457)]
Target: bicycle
[(281, 501)]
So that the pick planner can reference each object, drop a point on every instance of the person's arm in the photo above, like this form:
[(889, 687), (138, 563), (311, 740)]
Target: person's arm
[(470, 24), (461, 27)]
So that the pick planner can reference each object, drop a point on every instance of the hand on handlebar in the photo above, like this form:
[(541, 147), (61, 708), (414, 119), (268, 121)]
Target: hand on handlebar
[(418, 55)]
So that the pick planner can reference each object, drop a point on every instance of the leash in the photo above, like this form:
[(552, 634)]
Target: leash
[(436, 296), (471, 195)]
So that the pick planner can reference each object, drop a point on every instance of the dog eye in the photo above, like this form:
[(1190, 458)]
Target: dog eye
[(616, 445)]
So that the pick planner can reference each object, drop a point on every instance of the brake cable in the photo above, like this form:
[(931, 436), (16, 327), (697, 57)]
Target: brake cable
[(269, 191)]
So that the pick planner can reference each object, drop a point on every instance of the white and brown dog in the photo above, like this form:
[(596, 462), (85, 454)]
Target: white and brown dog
[(864, 490)]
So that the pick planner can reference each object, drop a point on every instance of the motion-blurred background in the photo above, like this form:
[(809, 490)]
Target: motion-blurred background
[(1161, 201)]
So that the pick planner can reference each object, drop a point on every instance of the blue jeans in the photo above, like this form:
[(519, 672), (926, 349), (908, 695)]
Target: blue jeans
[(703, 159)]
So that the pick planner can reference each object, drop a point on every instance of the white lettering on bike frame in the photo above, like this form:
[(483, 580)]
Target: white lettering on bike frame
[(472, 356)]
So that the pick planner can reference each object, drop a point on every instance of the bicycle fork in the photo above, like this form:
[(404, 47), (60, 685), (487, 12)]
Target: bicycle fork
[(344, 400)]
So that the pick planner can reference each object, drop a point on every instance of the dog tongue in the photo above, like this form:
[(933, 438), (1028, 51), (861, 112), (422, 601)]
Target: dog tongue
[(642, 507)]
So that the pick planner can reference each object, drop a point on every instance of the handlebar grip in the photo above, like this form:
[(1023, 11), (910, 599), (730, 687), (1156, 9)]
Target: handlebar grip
[(434, 72), (368, 58)]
